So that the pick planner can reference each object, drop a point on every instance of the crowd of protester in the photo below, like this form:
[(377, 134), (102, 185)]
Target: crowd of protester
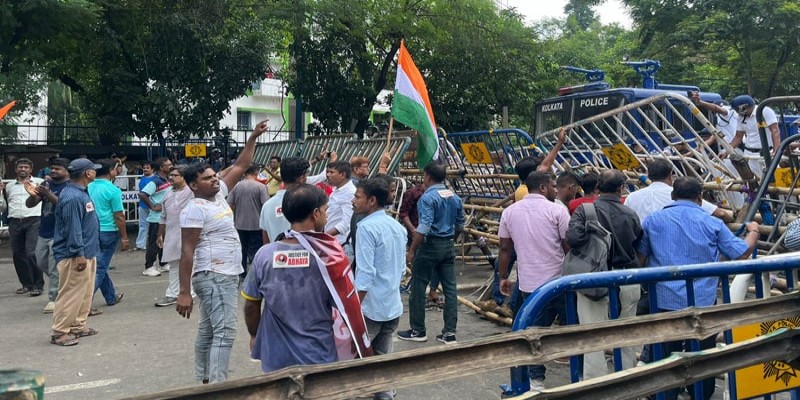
[(311, 255)]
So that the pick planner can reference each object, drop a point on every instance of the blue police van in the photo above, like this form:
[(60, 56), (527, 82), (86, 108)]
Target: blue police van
[(576, 103)]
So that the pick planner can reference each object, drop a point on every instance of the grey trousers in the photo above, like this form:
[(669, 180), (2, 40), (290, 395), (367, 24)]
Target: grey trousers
[(47, 264)]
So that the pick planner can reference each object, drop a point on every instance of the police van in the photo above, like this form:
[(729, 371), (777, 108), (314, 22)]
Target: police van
[(576, 103)]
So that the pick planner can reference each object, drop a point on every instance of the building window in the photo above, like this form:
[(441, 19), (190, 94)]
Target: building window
[(243, 119)]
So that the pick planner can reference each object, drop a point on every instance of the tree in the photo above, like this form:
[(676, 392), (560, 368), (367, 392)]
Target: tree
[(746, 45), (159, 66), (34, 36), (342, 54), (581, 11)]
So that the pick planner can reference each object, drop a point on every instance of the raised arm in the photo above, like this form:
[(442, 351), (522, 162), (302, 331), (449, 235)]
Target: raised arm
[(245, 156)]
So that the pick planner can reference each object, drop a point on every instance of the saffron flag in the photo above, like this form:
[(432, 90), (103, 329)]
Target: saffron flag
[(349, 327), (412, 107), (6, 108)]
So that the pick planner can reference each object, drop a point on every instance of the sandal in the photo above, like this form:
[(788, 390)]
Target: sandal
[(64, 340), (35, 292), (86, 332), (22, 290), (117, 299), (94, 312)]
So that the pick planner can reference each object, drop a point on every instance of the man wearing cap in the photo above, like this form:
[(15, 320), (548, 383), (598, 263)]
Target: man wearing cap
[(76, 243), (747, 132)]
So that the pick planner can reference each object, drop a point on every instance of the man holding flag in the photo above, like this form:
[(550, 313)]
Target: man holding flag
[(441, 212)]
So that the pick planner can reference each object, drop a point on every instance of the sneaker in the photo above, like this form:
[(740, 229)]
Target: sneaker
[(163, 268), (152, 271), (166, 302), (412, 336), (48, 309), (447, 339), (537, 385)]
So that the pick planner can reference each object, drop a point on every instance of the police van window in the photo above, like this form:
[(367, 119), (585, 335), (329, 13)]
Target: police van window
[(551, 116)]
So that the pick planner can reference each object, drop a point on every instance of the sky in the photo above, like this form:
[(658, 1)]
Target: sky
[(610, 11)]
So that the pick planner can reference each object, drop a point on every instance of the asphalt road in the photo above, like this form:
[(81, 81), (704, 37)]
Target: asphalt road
[(143, 349)]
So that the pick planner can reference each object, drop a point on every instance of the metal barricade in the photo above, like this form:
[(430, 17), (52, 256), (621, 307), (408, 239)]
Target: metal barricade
[(282, 149), (613, 280), (373, 150), (625, 137), (313, 146), (482, 158)]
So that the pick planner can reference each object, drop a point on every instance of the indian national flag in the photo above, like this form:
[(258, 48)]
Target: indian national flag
[(412, 107), (6, 108)]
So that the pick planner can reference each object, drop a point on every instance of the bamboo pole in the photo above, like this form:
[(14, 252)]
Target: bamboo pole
[(488, 314)]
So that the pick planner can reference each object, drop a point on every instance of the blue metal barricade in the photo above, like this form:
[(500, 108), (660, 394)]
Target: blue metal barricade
[(489, 153), (613, 280), (282, 149)]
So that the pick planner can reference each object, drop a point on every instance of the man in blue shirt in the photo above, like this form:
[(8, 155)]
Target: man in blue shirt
[(107, 200), (441, 217), (380, 255), (47, 193), (296, 324), (75, 248), (681, 234)]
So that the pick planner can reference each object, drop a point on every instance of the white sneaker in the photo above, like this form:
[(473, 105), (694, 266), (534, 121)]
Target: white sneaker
[(48, 309), (163, 268), (152, 271), (537, 385)]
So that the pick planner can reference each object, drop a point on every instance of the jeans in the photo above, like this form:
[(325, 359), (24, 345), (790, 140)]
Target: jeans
[(153, 251), (217, 296), (545, 319), (594, 364), (141, 237), (498, 297), (108, 246), (24, 233), (435, 254), (47, 264), (708, 383), (381, 334), (251, 242)]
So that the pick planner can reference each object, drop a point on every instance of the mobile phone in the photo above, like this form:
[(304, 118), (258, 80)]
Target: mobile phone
[(328, 154)]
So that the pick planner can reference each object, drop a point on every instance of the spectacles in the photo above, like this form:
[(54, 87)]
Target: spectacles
[(174, 175)]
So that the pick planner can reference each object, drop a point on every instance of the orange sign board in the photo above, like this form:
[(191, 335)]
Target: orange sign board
[(621, 157), (769, 377), (476, 153), (195, 150)]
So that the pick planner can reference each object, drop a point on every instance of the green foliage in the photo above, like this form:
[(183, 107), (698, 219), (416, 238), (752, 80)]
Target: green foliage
[(733, 46), (34, 36)]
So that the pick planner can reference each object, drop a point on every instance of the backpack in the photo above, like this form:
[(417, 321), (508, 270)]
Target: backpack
[(593, 255)]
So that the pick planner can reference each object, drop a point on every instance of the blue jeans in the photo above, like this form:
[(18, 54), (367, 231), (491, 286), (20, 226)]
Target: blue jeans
[(141, 237), (217, 296), (556, 307), (108, 245), (498, 297)]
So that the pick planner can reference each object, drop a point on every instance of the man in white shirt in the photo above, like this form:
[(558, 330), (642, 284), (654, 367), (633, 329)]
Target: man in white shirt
[(747, 132), (655, 197), (23, 227), (211, 259), (271, 221), (340, 204)]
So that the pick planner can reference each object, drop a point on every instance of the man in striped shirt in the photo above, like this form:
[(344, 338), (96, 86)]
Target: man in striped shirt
[(681, 234)]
